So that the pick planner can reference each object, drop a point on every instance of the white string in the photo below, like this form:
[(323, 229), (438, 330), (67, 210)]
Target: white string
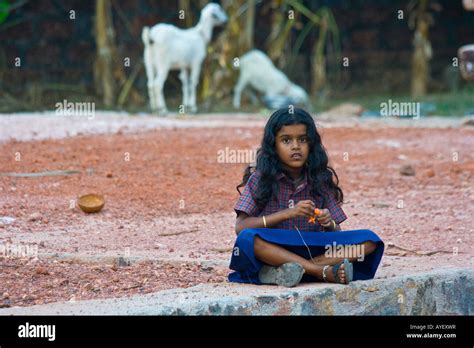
[(306, 245)]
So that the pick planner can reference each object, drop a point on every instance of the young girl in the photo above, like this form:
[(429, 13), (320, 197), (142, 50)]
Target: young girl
[(290, 198)]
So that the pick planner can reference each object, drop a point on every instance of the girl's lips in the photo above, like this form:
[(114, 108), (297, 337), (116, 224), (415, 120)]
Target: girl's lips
[(297, 156)]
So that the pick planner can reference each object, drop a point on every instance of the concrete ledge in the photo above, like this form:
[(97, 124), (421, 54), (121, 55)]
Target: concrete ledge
[(111, 259), (442, 292)]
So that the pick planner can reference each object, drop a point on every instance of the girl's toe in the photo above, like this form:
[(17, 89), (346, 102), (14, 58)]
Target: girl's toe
[(342, 274)]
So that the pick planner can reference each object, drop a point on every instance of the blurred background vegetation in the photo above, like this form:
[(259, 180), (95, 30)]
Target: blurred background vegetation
[(399, 50)]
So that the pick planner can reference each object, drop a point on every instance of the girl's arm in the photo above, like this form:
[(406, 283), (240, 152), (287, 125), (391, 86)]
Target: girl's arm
[(327, 221), (302, 208), (244, 221), (330, 228)]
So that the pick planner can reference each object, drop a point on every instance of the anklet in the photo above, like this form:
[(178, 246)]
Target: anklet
[(324, 272)]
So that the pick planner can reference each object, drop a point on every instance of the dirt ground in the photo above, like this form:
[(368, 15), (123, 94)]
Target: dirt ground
[(169, 205)]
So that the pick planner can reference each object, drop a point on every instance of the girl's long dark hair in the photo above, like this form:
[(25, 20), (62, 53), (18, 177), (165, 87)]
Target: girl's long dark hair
[(322, 178)]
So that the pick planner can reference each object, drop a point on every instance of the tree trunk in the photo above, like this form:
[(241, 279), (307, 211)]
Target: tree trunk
[(278, 42), (218, 73), (111, 82), (319, 59), (185, 5), (422, 53), (248, 34), (103, 68)]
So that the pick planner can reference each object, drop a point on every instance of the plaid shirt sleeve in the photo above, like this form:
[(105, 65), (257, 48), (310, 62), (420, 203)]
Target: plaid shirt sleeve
[(246, 202), (335, 209)]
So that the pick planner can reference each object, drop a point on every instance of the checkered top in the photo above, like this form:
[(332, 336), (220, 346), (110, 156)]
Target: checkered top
[(286, 195)]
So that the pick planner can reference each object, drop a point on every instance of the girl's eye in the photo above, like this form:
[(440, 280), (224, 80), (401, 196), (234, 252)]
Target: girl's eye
[(304, 140), (286, 141)]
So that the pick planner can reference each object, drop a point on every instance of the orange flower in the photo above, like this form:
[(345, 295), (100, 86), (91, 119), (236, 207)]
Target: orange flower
[(312, 220)]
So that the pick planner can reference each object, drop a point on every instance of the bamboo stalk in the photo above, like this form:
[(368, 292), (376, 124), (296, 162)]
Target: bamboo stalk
[(127, 87)]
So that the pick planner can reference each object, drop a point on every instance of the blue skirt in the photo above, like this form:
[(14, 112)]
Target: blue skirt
[(246, 266)]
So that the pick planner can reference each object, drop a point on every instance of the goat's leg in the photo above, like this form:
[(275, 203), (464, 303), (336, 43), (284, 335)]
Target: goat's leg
[(188, 106), (151, 95), (158, 87), (252, 95), (184, 76), (239, 87), (150, 75), (195, 71)]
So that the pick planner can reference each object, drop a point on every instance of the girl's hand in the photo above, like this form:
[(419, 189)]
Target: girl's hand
[(325, 219), (302, 208)]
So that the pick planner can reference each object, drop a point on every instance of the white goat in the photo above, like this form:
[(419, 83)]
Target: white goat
[(258, 71), (170, 48)]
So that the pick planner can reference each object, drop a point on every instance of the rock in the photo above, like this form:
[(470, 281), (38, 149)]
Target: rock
[(407, 170), (380, 205), (109, 175), (5, 304), (456, 169), (41, 270), (430, 173), (468, 123), (122, 262), (5, 220), (34, 217), (370, 289)]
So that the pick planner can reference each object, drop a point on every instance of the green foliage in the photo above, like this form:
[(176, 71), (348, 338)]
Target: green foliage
[(4, 10)]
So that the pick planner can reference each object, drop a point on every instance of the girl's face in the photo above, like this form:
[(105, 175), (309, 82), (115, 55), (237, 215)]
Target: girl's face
[(292, 146)]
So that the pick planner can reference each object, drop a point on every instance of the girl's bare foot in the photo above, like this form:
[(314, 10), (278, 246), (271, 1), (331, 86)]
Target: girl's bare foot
[(340, 272)]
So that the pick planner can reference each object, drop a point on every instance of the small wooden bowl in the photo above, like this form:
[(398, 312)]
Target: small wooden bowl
[(91, 203)]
